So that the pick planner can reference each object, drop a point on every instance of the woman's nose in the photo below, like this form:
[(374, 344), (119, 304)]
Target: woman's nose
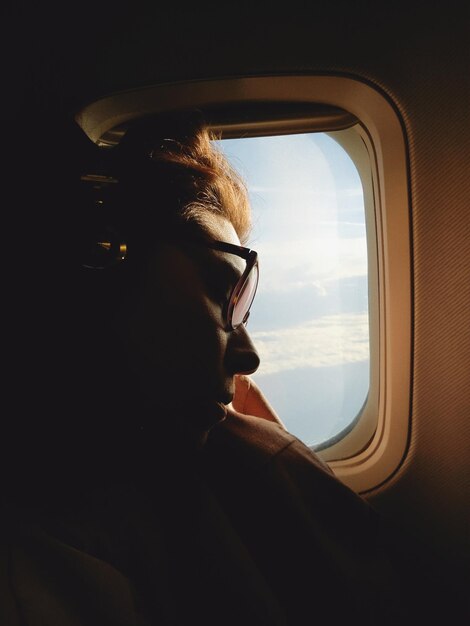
[(242, 356)]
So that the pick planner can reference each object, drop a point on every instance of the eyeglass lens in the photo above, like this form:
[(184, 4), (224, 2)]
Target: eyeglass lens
[(245, 297)]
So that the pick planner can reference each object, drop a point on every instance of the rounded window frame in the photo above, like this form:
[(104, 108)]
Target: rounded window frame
[(381, 132)]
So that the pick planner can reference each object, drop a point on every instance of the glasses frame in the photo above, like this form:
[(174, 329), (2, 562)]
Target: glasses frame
[(251, 258), (117, 251)]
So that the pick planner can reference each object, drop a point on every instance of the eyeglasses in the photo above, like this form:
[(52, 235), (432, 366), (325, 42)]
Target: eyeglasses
[(111, 251), (244, 292)]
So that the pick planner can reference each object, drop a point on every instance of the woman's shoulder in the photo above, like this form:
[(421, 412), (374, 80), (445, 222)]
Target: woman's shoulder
[(258, 442)]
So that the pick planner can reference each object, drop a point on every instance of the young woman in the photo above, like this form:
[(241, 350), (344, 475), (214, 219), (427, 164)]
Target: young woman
[(144, 496)]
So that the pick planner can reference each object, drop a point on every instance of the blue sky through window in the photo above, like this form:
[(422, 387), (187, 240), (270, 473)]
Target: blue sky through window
[(310, 317)]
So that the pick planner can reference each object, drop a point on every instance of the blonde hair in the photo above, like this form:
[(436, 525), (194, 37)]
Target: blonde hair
[(186, 174)]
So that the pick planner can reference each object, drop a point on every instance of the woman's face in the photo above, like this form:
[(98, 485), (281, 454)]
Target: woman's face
[(181, 350)]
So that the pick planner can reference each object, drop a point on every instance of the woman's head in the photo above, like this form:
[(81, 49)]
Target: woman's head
[(157, 325)]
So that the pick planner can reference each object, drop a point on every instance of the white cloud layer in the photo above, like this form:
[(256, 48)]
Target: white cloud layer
[(327, 341), (318, 262)]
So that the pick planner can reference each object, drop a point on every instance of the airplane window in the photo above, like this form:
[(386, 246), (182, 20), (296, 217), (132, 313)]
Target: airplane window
[(328, 174), (310, 320)]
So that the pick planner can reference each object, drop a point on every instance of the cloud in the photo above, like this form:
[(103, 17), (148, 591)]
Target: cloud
[(326, 341), (317, 263)]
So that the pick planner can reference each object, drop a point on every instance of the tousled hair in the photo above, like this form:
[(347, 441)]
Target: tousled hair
[(176, 171)]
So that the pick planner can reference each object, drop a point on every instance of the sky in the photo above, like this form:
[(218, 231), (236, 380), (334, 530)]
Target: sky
[(309, 320)]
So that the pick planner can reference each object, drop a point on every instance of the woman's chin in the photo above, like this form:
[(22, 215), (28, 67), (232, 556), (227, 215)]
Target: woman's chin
[(204, 414), (192, 419)]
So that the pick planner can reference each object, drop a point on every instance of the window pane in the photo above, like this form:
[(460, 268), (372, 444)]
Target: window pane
[(310, 318)]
